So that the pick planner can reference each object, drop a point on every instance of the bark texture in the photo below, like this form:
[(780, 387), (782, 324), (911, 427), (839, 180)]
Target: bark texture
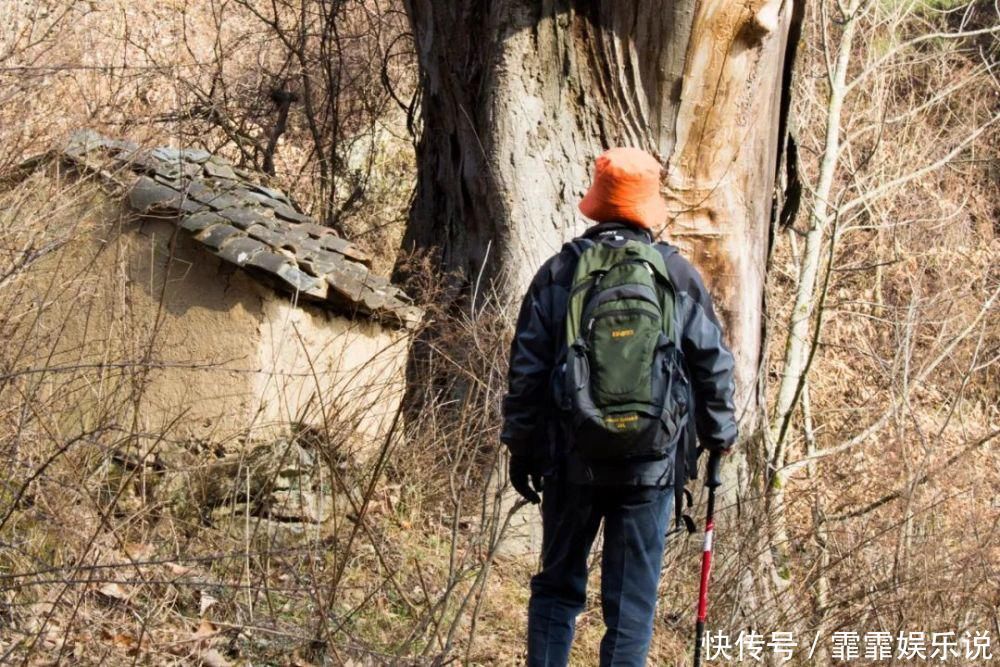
[(519, 97)]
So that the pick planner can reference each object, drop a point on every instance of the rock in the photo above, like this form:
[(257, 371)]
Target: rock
[(216, 168), (300, 505), (195, 155), (167, 154), (219, 200)]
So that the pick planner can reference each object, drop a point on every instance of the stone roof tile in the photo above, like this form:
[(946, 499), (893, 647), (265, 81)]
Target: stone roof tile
[(245, 223)]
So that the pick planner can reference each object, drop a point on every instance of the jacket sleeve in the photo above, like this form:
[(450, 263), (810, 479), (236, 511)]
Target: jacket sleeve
[(709, 362), (531, 360)]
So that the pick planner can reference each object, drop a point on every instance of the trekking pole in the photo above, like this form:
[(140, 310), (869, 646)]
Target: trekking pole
[(711, 481)]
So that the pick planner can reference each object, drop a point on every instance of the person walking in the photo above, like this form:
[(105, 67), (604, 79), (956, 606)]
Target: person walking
[(616, 362)]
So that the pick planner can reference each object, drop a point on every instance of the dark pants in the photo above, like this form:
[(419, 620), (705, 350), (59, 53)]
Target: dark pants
[(635, 525)]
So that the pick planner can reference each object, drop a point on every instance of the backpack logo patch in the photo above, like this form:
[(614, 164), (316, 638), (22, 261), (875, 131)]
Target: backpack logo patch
[(622, 422)]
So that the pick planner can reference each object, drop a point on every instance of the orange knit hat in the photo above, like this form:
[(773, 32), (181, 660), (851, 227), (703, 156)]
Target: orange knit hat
[(626, 187)]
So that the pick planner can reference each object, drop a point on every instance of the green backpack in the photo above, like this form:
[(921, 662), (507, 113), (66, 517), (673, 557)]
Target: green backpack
[(625, 388)]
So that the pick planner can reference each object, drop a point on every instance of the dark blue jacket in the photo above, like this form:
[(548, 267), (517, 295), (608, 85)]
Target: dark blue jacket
[(531, 425)]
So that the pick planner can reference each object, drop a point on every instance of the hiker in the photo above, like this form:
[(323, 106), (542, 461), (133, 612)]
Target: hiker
[(616, 338)]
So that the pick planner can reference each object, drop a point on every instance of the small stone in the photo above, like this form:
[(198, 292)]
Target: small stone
[(373, 300), (294, 244), (170, 182), (334, 243), (197, 191), (264, 200), (84, 141), (217, 169), (301, 505), (127, 152), (409, 316), (195, 155), (141, 161), (307, 244), (123, 145), (189, 205), (166, 172), (167, 154), (296, 233)]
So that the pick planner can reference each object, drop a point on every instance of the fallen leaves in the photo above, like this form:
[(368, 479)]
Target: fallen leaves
[(121, 640), (206, 630), (212, 658), (139, 551), (112, 590), (177, 570)]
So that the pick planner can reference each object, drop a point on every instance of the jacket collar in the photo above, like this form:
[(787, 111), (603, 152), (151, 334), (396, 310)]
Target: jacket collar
[(618, 228)]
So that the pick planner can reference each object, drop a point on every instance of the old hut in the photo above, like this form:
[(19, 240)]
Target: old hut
[(183, 294)]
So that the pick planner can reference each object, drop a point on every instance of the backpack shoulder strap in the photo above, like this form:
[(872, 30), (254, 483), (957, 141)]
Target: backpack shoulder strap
[(686, 461), (666, 250), (578, 245), (565, 261), (578, 287)]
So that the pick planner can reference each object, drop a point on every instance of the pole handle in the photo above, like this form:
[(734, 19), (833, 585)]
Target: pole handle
[(699, 639), (713, 478)]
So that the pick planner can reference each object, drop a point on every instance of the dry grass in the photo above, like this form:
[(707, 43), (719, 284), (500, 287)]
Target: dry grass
[(125, 544), (128, 543)]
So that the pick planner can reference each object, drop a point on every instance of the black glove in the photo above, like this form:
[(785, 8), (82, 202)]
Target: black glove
[(525, 479)]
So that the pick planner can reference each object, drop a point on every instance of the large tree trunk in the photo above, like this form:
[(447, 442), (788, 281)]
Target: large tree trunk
[(519, 97)]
